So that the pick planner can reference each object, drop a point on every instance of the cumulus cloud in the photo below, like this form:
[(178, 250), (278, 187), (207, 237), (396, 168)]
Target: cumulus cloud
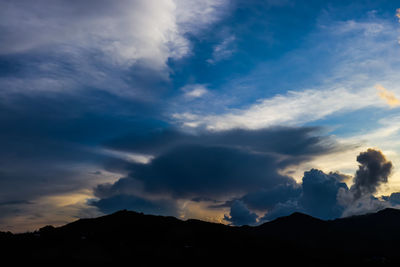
[(316, 196), (374, 170), (224, 166), (241, 169), (240, 214), (319, 196), (326, 196), (388, 96)]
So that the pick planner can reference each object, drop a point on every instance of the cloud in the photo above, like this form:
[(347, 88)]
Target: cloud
[(223, 50), (326, 196), (194, 90), (374, 170), (126, 31), (200, 171), (122, 48), (160, 207), (319, 194), (362, 53), (286, 141), (281, 209), (388, 96), (366, 204), (267, 199), (215, 167), (50, 148), (316, 196), (394, 198), (241, 215), (293, 108)]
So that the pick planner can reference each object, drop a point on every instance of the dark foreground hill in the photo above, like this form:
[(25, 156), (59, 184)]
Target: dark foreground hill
[(133, 239)]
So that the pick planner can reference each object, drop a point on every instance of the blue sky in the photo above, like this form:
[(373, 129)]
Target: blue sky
[(197, 109)]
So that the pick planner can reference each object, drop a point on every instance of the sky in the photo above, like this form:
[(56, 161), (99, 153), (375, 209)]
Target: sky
[(229, 111)]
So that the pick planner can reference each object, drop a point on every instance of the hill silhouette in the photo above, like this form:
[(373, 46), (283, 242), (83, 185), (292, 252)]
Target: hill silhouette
[(143, 240)]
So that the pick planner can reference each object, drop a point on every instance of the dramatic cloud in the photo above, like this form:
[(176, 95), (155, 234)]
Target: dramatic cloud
[(241, 215), (388, 96), (126, 31), (326, 196), (72, 47), (192, 171), (200, 107), (216, 165), (319, 196), (316, 196), (287, 141), (268, 198), (373, 171)]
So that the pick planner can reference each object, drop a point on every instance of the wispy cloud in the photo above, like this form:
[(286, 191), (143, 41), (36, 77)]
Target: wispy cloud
[(223, 50), (294, 108), (95, 43), (388, 96), (365, 55), (194, 90)]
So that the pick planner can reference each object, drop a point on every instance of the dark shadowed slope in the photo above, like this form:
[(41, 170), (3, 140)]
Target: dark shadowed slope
[(143, 240)]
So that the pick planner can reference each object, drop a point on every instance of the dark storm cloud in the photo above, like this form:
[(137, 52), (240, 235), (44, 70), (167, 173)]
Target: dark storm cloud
[(326, 196), (268, 198), (319, 196), (203, 171), (288, 141), (316, 196), (130, 202), (241, 215), (49, 143), (374, 170), (217, 165)]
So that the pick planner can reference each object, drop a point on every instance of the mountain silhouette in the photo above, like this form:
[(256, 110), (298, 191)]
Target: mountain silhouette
[(132, 238)]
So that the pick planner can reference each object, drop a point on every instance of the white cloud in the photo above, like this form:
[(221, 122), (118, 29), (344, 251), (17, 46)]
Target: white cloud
[(294, 108), (126, 31), (194, 90), (365, 55)]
